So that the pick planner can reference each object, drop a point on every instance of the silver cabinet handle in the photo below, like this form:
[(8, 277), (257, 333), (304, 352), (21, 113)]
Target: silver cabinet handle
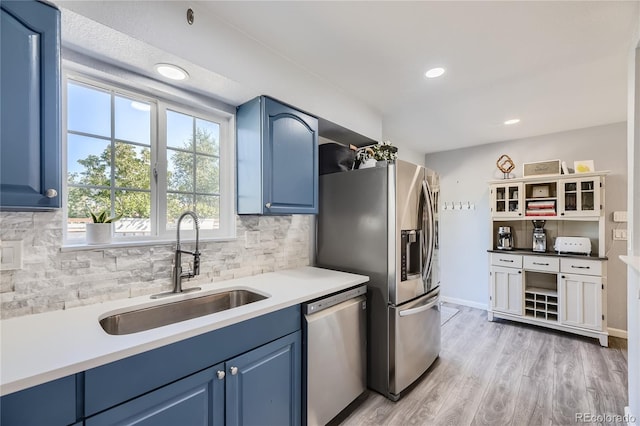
[(505, 260), (220, 374), (581, 267), (541, 264), (50, 193), (268, 205), (234, 370)]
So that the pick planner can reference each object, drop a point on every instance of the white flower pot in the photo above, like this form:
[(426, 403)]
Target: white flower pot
[(98, 233), (367, 163)]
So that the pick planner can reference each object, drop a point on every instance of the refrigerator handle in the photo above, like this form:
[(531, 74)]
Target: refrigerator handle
[(431, 302), (426, 267)]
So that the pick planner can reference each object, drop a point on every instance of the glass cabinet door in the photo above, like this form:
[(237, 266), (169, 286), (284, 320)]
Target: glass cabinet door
[(507, 200), (581, 197)]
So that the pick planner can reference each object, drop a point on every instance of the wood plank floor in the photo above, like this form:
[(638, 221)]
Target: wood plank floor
[(505, 373)]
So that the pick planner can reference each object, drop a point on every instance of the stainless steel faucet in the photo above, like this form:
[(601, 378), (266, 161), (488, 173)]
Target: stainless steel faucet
[(178, 275)]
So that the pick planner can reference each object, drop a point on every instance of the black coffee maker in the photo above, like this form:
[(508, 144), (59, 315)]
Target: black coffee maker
[(539, 236)]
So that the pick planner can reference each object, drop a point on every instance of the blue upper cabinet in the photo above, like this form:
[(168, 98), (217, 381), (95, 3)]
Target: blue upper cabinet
[(30, 106), (277, 159)]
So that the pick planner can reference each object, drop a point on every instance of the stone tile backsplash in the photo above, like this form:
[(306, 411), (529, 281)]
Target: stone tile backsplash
[(52, 280)]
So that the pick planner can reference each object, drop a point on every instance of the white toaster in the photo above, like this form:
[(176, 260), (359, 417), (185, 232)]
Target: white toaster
[(580, 245)]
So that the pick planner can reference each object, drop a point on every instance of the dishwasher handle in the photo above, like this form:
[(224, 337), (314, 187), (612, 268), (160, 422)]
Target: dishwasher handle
[(430, 303)]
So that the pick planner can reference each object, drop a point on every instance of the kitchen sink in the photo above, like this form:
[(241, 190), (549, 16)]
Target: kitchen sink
[(170, 313)]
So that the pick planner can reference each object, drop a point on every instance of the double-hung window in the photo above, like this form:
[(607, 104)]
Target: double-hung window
[(145, 161)]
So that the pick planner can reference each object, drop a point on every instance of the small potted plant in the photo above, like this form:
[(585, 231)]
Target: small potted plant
[(369, 156), (99, 231), (385, 151)]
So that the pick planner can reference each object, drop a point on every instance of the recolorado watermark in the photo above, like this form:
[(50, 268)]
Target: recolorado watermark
[(604, 418)]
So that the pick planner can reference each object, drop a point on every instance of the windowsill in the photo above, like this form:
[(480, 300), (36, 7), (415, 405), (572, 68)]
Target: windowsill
[(80, 246)]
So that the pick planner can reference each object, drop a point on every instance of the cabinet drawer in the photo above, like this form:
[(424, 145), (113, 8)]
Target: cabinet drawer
[(542, 263), (581, 266), (508, 260)]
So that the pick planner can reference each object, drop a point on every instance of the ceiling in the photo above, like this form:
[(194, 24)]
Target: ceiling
[(555, 65)]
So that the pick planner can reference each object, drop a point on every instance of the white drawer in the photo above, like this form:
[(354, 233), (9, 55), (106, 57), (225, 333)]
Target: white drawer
[(508, 260), (542, 263), (581, 266)]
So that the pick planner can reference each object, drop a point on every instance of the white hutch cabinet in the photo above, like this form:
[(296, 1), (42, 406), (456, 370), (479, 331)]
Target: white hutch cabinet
[(564, 292)]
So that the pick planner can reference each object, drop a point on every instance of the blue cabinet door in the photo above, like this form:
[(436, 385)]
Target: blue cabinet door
[(277, 159), (290, 160), (197, 400), (30, 106), (263, 387)]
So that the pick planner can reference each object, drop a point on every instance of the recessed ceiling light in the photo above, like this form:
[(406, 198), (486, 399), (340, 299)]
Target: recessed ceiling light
[(434, 72), (512, 121), (172, 72)]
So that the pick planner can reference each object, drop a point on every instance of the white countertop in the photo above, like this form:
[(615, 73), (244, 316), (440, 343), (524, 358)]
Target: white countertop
[(633, 261), (39, 348)]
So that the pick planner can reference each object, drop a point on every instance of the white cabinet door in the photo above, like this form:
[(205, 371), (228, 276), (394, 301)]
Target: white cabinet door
[(506, 290), (581, 300)]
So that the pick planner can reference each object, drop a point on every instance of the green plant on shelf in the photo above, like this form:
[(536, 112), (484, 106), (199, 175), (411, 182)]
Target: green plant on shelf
[(103, 217)]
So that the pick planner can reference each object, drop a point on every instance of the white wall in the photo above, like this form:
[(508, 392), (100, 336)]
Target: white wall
[(465, 234), (633, 282)]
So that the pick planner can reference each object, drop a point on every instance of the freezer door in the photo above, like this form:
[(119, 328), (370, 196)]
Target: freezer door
[(336, 359), (414, 342)]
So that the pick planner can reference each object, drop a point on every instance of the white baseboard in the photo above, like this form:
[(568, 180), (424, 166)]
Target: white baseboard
[(616, 332), (464, 302)]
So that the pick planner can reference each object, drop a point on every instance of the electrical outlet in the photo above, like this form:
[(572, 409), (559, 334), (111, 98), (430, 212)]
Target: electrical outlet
[(620, 216), (620, 234), (10, 255)]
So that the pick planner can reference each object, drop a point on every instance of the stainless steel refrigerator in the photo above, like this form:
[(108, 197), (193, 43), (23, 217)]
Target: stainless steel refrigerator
[(383, 222)]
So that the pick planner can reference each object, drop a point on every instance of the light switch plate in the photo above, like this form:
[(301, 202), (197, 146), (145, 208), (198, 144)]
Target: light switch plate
[(10, 255), (620, 216), (620, 234)]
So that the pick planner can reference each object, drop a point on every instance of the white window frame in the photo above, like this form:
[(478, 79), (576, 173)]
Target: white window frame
[(159, 105)]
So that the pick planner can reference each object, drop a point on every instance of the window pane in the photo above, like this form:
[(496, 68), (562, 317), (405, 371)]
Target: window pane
[(207, 137), (180, 171), (88, 160), (179, 130), (132, 120), (133, 166), (79, 201), (207, 174), (89, 110), (135, 208), (208, 210), (176, 205)]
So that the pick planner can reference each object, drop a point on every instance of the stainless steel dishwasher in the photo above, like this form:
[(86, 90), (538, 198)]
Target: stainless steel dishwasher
[(335, 353)]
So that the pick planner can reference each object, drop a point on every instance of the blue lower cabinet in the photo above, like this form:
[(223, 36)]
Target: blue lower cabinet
[(52, 403), (248, 373), (197, 400), (260, 387), (263, 386)]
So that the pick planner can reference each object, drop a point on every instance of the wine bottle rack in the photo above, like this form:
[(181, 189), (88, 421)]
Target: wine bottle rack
[(541, 303)]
